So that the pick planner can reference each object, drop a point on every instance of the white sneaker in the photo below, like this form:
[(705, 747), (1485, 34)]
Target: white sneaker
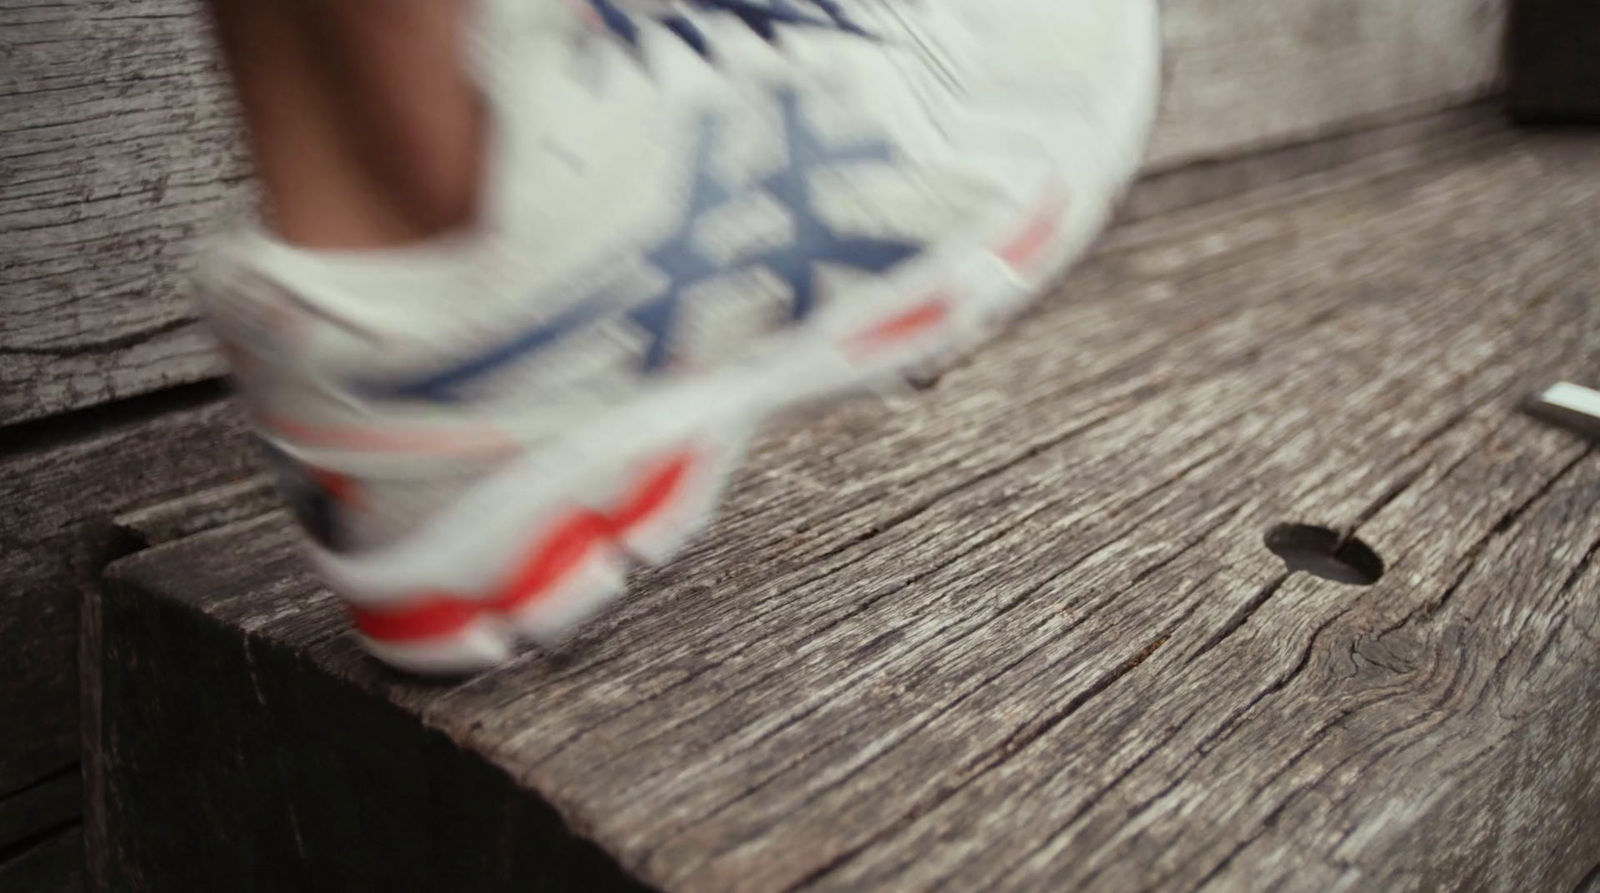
[(703, 213)]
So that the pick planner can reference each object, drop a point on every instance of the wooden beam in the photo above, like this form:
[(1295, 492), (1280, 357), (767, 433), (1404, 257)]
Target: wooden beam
[(63, 483), (121, 148), (1021, 631)]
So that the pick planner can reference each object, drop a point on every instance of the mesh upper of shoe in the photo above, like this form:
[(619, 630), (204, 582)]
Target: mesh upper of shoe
[(977, 105)]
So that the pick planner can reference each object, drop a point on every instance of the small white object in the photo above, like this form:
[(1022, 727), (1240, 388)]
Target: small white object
[(1571, 406)]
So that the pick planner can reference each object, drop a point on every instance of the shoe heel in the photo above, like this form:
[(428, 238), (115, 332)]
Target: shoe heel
[(573, 566), (471, 650), (698, 485)]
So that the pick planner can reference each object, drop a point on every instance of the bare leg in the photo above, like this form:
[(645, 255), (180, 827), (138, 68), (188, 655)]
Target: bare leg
[(364, 125)]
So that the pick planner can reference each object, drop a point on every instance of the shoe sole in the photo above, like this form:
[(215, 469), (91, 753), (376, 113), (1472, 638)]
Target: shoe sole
[(530, 555), (643, 507)]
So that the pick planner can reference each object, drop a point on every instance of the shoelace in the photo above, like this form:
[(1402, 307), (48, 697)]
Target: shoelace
[(764, 18)]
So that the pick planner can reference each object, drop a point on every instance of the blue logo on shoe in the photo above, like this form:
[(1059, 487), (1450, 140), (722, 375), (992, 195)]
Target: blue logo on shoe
[(761, 16), (685, 265)]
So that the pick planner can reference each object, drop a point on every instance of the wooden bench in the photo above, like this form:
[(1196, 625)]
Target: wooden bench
[(1022, 631), (117, 146)]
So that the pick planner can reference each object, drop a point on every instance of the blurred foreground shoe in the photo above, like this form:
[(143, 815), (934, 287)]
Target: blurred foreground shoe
[(701, 214)]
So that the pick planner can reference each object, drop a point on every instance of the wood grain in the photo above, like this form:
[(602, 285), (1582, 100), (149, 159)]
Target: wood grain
[(120, 148), (199, 511), (61, 490), (1248, 75), (1021, 632)]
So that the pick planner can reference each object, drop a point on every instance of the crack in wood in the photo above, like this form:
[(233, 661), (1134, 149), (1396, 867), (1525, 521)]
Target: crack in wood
[(1032, 451), (1234, 363), (1469, 561), (979, 765), (1458, 669), (107, 345), (1240, 616), (1089, 609), (744, 782), (1095, 799), (972, 546), (1013, 744), (44, 836), (67, 770), (996, 757)]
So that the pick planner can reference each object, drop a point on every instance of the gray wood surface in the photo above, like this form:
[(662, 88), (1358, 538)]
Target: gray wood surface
[(115, 149), (119, 148), (199, 511), (1368, 152), (61, 488), (1019, 632), (1246, 74)]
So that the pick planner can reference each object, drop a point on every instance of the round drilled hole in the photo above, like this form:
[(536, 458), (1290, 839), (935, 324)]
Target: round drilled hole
[(1324, 553)]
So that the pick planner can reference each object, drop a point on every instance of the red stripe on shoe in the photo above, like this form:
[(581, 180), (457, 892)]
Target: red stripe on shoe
[(430, 618), (465, 442), (550, 562), (342, 488), (1024, 249), (658, 490), (924, 316)]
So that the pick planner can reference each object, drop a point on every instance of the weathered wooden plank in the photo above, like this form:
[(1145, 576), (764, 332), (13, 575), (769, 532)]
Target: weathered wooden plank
[(196, 512), (51, 865), (120, 148), (457, 824), (1367, 152), (62, 487), (890, 793), (1254, 74), (1021, 632)]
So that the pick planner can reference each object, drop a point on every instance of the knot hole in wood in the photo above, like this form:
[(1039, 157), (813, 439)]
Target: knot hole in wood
[(1325, 553)]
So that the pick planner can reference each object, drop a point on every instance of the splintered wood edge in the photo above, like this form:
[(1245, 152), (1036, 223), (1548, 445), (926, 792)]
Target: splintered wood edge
[(195, 513)]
